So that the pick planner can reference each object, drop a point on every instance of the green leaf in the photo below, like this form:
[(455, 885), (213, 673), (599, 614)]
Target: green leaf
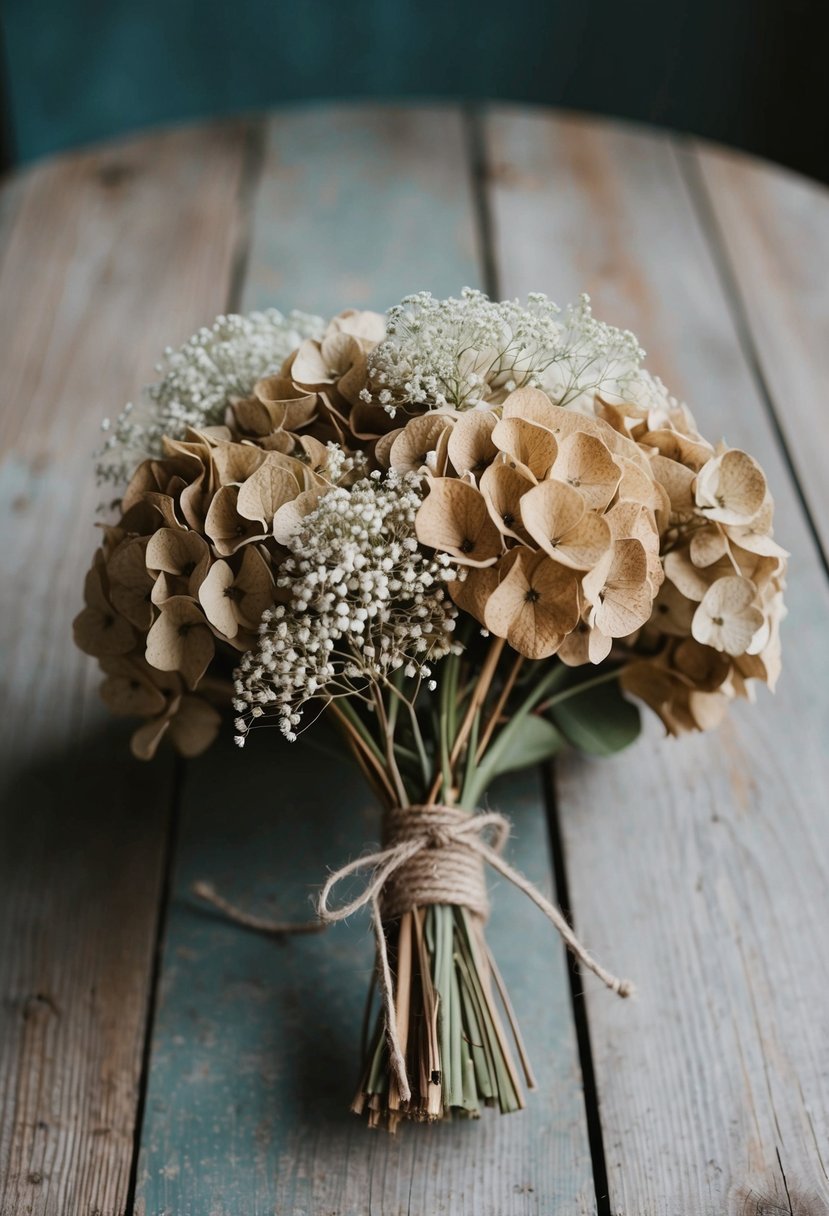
[(599, 721), (536, 741)]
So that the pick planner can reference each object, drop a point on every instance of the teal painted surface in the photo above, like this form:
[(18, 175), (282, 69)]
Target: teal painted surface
[(358, 207), (255, 1051), (745, 73)]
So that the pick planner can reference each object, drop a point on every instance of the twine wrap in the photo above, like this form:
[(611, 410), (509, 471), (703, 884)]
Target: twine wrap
[(436, 855), (446, 870)]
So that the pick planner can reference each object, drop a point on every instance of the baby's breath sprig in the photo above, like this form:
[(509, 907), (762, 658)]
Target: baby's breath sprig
[(364, 601), (464, 352), (220, 363)]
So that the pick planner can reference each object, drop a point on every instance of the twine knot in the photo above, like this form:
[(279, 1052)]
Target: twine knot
[(436, 855)]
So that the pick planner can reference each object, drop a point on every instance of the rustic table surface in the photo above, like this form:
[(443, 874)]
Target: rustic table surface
[(155, 1059)]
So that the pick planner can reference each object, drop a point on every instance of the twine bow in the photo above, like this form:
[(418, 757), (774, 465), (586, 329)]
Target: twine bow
[(435, 855)]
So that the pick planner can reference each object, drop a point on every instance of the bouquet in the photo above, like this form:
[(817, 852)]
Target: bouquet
[(465, 534)]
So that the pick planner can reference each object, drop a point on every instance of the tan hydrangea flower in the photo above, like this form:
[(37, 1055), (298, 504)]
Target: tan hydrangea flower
[(225, 525), (190, 722), (585, 462), (756, 536), (530, 445), (535, 606), (585, 645), (180, 640), (278, 480), (421, 443), (454, 519), (672, 612), (335, 368), (180, 584), (730, 488), (471, 593), (132, 688), (99, 629), (235, 599), (130, 583), (470, 445), (182, 559), (503, 487), (557, 517), (619, 590), (727, 618)]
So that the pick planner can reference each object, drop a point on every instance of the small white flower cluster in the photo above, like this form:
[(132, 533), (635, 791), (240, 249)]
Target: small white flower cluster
[(218, 364), (363, 601), (462, 353)]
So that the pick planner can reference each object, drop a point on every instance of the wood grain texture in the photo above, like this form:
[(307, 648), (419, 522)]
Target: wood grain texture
[(106, 258), (699, 867), (359, 206), (255, 1051), (774, 226)]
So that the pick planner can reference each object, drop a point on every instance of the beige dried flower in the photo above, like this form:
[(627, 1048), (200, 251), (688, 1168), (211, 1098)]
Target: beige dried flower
[(730, 488), (190, 722), (180, 639), (726, 618), (179, 586), (585, 462), (454, 519), (236, 599), (535, 606), (470, 446), (557, 517), (529, 445), (99, 629), (619, 590)]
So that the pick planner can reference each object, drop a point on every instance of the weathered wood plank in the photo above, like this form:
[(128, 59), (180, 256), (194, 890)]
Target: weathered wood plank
[(108, 256), (255, 1047), (699, 867), (775, 228), (359, 206)]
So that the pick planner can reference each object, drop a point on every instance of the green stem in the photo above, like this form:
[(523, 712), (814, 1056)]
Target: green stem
[(348, 711), (576, 689), (503, 740), (388, 738), (422, 755)]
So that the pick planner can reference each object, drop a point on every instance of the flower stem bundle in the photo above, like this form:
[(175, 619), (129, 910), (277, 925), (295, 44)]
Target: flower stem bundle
[(465, 534)]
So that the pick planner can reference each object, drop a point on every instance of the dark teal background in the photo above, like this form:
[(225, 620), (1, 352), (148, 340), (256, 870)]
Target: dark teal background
[(747, 72)]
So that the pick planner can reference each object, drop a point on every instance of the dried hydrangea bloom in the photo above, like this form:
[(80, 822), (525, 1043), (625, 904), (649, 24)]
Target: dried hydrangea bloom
[(722, 601), (527, 479), (180, 584), (198, 381), (334, 366)]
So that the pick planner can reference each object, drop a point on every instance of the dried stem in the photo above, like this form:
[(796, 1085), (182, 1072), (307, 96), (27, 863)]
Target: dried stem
[(499, 707), (367, 759)]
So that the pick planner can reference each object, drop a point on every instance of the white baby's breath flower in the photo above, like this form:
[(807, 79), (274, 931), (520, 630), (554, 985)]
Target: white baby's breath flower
[(198, 381), (363, 601), (462, 353)]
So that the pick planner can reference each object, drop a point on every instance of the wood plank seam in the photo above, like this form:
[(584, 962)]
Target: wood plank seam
[(173, 822), (252, 162), (581, 1018), (698, 190), (475, 146)]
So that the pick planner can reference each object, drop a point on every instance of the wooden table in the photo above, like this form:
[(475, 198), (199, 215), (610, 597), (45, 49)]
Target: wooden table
[(154, 1059)]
